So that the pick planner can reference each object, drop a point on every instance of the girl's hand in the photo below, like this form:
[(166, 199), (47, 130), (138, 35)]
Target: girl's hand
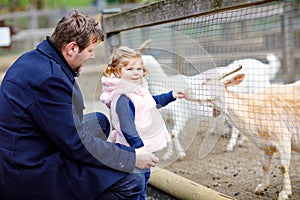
[(178, 94)]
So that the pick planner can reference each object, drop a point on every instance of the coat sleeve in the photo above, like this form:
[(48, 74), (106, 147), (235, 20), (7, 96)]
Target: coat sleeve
[(163, 99), (126, 114), (54, 112)]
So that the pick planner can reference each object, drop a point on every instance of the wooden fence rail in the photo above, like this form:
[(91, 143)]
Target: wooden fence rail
[(170, 11)]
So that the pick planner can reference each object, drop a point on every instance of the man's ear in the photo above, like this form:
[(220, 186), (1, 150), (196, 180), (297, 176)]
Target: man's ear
[(72, 48)]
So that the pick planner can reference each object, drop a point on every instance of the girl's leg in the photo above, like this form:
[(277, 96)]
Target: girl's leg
[(147, 177)]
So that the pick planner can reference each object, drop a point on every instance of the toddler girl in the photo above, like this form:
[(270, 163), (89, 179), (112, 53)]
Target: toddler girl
[(135, 117)]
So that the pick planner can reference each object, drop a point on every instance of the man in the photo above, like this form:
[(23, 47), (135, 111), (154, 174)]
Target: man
[(48, 148)]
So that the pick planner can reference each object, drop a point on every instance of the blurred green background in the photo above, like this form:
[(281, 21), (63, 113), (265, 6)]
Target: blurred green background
[(15, 5), (31, 20)]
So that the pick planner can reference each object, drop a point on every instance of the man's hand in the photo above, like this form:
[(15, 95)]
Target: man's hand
[(145, 159)]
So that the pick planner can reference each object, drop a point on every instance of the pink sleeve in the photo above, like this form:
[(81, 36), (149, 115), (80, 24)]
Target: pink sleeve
[(108, 86)]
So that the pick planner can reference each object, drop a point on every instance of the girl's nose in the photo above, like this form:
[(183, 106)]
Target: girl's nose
[(135, 71)]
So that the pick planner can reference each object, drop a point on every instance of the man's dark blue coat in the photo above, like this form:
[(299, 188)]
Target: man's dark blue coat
[(43, 145)]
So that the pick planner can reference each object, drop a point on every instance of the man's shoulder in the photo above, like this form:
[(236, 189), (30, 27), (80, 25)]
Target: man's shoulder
[(32, 68)]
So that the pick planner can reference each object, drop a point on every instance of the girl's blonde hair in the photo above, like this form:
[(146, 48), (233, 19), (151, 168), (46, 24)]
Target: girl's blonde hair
[(120, 58)]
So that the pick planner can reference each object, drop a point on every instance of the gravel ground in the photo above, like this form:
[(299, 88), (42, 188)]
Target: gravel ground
[(156, 194)]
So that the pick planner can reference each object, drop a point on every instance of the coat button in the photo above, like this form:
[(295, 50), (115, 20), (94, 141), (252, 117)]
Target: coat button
[(121, 164)]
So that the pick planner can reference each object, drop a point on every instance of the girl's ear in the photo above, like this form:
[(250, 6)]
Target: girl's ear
[(117, 71)]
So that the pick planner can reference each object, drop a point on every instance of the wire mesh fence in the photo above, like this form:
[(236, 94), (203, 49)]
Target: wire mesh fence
[(227, 149)]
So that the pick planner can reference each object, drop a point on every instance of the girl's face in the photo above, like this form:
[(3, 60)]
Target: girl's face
[(133, 71)]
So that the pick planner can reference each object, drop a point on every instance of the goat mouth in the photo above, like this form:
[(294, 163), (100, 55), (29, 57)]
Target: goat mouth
[(216, 111), (208, 102)]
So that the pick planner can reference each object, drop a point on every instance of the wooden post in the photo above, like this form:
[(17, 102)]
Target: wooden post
[(182, 188), (114, 37), (34, 24), (289, 41)]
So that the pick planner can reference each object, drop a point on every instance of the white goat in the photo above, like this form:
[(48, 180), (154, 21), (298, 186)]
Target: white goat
[(258, 76), (177, 111), (180, 112), (270, 118)]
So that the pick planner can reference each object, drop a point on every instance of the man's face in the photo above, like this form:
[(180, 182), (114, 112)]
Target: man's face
[(78, 59)]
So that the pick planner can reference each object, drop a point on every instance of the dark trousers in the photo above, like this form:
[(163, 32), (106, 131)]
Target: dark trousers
[(130, 187)]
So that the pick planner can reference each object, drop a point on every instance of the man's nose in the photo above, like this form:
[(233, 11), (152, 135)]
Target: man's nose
[(92, 56)]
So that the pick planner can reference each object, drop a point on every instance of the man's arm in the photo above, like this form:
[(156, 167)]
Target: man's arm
[(56, 116)]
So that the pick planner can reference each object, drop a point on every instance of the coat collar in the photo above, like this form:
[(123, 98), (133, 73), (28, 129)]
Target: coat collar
[(49, 49)]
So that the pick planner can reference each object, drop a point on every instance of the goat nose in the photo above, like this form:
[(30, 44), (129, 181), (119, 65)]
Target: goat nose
[(190, 94)]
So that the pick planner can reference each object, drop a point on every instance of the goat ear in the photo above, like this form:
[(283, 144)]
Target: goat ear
[(239, 78), (235, 80)]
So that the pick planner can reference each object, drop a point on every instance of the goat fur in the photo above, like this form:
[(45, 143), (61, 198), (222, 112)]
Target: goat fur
[(177, 111), (258, 76), (270, 118)]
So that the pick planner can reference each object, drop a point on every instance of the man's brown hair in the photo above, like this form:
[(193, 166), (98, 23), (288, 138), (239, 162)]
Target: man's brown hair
[(77, 27)]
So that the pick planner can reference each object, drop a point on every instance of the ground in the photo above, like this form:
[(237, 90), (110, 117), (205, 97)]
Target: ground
[(156, 194), (235, 173)]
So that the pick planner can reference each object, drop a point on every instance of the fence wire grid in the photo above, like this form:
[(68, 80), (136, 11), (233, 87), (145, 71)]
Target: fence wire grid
[(224, 149)]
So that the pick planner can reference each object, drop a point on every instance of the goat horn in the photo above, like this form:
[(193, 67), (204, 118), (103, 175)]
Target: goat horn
[(143, 46), (231, 72)]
